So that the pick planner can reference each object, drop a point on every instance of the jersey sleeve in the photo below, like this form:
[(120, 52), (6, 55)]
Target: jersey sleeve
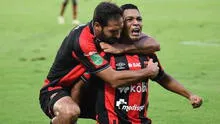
[(86, 52), (85, 77), (161, 70)]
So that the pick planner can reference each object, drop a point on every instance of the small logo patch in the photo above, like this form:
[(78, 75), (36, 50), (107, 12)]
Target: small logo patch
[(122, 105), (120, 66), (97, 59)]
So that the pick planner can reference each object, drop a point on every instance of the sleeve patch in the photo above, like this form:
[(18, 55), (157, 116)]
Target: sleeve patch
[(97, 59)]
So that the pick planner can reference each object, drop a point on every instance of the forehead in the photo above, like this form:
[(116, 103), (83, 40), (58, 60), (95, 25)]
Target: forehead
[(114, 23), (131, 13)]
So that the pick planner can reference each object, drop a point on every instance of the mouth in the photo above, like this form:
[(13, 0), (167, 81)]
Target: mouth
[(136, 31)]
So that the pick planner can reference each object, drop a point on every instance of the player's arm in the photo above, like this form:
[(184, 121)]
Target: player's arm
[(169, 83), (127, 77), (94, 62), (145, 45)]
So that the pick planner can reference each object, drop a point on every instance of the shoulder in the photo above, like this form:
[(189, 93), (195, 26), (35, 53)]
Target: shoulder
[(83, 40), (145, 36), (86, 41)]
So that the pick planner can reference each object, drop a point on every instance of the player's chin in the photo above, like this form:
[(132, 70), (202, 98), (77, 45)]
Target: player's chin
[(135, 37)]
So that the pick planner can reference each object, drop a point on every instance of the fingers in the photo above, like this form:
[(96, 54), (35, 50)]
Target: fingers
[(196, 105), (196, 101), (150, 60), (106, 47), (152, 67), (103, 45)]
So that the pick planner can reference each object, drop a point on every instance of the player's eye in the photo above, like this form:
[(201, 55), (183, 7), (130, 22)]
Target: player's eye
[(128, 19), (114, 31), (139, 19)]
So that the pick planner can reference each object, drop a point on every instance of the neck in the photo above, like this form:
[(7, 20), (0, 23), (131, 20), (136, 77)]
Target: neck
[(126, 40)]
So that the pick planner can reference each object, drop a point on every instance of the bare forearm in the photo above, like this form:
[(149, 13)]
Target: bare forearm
[(129, 77), (173, 85), (144, 46), (122, 78)]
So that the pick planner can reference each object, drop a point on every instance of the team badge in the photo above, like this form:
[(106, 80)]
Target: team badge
[(97, 59)]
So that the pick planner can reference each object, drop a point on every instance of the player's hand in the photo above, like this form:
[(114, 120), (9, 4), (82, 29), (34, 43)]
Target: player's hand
[(115, 48), (152, 68), (196, 101)]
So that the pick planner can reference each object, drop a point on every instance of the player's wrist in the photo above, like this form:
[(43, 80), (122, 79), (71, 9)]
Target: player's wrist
[(129, 47), (189, 96)]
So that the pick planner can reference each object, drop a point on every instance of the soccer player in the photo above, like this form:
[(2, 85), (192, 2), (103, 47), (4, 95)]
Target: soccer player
[(61, 19), (128, 104), (78, 53)]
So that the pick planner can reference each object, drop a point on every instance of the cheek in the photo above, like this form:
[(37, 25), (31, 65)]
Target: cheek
[(141, 25), (107, 35), (127, 29)]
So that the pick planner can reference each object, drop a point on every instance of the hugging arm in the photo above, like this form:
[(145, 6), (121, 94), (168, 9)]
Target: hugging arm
[(145, 45), (127, 77)]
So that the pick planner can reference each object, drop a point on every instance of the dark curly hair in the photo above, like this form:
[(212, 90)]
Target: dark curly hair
[(128, 6), (106, 11)]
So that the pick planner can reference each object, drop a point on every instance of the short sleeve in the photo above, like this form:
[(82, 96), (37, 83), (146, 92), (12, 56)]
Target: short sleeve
[(161, 70), (85, 51)]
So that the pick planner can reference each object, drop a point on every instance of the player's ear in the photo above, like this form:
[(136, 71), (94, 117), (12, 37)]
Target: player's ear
[(97, 27)]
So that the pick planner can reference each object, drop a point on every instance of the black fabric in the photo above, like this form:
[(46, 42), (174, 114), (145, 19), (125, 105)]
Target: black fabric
[(144, 120), (161, 71), (64, 62), (122, 117), (47, 102), (88, 99), (100, 104)]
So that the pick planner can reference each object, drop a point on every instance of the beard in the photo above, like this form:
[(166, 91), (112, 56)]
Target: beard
[(109, 40)]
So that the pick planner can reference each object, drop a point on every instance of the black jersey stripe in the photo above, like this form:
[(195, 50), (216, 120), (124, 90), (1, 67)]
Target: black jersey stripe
[(161, 71), (121, 63), (100, 104), (144, 120)]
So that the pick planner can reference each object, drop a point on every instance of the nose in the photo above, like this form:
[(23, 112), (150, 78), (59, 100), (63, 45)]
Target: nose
[(135, 22)]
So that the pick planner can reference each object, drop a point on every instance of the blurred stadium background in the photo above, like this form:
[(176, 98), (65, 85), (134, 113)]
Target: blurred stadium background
[(188, 31)]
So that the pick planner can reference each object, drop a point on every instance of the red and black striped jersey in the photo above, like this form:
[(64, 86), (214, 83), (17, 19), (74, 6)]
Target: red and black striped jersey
[(127, 104), (78, 53)]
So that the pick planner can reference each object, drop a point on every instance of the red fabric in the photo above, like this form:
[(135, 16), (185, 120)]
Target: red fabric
[(74, 74)]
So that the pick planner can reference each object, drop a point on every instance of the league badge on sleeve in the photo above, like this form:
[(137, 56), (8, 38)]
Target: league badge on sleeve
[(97, 59)]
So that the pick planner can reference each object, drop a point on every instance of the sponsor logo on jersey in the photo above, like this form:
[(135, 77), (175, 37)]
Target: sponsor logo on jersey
[(120, 66), (122, 105), (142, 87), (130, 65)]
